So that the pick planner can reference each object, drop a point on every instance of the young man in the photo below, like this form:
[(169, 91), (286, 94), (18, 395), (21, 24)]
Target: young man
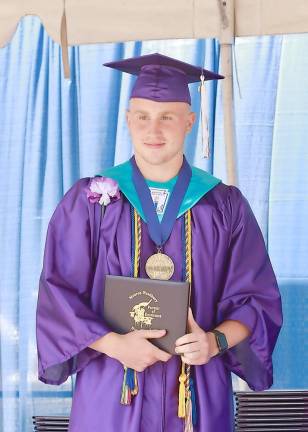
[(235, 313)]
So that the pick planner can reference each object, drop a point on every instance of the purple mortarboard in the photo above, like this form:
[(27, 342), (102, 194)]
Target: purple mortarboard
[(162, 78), (165, 79)]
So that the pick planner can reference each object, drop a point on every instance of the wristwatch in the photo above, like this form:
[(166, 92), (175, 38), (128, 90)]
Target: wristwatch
[(221, 341)]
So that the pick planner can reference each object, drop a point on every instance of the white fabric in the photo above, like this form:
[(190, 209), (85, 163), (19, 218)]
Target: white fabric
[(98, 21)]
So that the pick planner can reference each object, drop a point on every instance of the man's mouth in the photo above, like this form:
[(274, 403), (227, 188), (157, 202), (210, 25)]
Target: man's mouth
[(154, 144)]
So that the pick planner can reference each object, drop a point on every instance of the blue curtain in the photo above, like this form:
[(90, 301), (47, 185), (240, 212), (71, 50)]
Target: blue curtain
[(54, 131)]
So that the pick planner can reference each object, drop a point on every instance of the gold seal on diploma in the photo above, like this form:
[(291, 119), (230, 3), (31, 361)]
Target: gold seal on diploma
[(159, 266)]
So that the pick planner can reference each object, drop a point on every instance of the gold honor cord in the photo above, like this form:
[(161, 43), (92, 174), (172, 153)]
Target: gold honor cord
[(137, 230), (184, 406), (188, 263), (130, 385)]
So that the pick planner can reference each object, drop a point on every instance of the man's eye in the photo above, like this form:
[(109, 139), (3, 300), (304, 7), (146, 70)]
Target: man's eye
[(142, 117), (166, 117)]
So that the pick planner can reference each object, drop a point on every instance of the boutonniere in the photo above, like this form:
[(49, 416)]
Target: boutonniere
[(103, 190)]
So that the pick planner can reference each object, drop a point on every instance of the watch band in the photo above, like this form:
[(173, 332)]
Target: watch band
[(221, 341)]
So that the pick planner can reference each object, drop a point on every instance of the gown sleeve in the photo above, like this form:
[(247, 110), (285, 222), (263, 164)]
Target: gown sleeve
[(250, 295), (65, 321)]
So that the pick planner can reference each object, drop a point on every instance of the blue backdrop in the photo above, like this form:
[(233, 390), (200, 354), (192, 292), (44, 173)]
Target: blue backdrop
[(54, 131)]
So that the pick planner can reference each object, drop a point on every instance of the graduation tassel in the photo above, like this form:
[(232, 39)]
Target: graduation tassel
[(204, 119), (130, 379), (182, 395), (125, 393), (129, 386)]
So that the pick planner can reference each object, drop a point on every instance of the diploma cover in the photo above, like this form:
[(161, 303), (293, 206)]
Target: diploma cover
[(147, 304)]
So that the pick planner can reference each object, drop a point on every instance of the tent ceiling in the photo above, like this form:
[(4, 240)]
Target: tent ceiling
[(98, 21)]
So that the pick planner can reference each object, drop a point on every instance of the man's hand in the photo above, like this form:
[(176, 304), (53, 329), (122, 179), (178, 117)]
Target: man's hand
[(133, 349), (197, 347)]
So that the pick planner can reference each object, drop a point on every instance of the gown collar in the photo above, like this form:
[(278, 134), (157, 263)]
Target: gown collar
[(201, 182)]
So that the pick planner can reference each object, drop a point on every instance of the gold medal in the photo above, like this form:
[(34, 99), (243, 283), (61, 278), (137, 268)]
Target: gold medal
[(159, 266)]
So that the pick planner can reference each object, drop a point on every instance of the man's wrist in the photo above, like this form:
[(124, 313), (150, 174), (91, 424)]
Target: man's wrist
[(213, 347), (103, 343)]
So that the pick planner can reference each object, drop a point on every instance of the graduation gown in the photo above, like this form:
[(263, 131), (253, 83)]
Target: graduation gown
[(232, 278)]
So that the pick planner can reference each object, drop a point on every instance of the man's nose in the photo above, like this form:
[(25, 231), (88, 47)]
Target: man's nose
[(154, 126)]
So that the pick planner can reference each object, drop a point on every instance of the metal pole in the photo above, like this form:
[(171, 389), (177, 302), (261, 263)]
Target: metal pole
[(226, 8)]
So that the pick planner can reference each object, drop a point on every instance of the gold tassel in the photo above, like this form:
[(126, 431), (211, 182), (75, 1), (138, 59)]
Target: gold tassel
[(182, 380)]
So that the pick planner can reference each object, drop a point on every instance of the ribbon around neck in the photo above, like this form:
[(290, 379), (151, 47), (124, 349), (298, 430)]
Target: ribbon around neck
[(160, 231)]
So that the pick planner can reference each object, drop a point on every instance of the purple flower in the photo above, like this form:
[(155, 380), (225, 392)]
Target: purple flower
[(103, 190)]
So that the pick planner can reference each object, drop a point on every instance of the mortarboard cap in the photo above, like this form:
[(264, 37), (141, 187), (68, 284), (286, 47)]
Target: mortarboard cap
[(162, 78)]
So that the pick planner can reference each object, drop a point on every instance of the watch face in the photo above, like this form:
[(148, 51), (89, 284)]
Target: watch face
[(221, 342)]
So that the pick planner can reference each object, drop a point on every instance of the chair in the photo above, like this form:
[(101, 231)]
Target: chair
[(268, 411)]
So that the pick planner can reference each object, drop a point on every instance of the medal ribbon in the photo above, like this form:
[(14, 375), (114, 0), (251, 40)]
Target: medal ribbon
[(160, 232)]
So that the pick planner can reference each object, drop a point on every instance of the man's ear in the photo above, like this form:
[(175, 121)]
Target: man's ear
[(190, 122), (128, 114)]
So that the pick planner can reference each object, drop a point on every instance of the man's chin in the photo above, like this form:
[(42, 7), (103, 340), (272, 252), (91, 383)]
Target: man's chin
[(156, 157), (155, 161)]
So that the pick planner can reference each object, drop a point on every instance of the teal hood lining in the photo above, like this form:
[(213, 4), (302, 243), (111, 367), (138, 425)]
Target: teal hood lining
[(201, 182)]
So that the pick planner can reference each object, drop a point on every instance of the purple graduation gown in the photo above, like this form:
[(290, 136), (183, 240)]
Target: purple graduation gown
[(232, 279)]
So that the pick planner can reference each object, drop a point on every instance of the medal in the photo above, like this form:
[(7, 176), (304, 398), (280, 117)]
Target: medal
[(159, 266)]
